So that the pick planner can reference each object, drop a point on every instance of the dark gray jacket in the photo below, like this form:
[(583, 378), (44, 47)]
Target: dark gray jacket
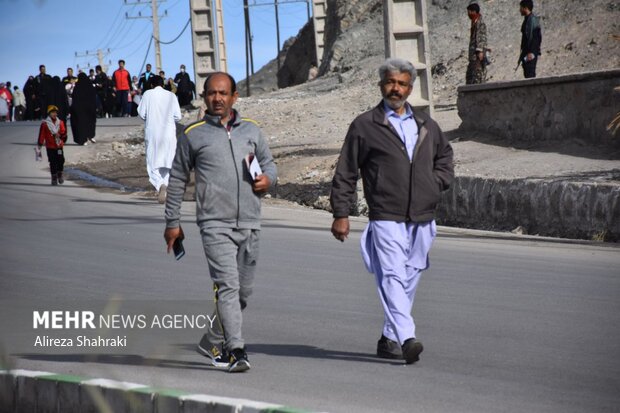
[(395, 188), (531, 36), (224, 195)]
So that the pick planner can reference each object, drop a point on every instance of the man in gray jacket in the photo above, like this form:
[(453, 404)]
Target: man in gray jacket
[(405, 162), (228, 209)]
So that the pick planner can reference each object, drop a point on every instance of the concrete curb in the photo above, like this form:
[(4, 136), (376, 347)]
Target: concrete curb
[(44, 392), (548, 207)]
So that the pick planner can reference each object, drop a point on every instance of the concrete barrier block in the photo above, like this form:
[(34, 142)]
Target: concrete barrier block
[(141, 401), (168, 401), (67, 389), (26, 390), (26, 398), (92, 400), (196, 406), (201, 403), (110, 395), (7, 392), (69, 394), (46, 396)]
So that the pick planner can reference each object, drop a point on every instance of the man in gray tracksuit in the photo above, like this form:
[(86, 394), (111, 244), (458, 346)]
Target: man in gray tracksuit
[(228, 209)]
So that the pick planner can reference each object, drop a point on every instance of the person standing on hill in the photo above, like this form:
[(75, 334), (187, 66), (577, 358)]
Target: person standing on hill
[(531, 38), (121, 81), (84, 111), (5, 103), (101, 84), (476, 69), (32, 100), (19, 104), (146, 79), (44, 90), (68, 83), (185, 87)]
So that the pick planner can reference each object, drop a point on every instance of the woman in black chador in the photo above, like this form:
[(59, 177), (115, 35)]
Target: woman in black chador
[(56, 95), (84, 111)]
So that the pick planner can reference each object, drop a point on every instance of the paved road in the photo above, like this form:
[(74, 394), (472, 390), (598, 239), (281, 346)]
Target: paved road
[(508, 324)]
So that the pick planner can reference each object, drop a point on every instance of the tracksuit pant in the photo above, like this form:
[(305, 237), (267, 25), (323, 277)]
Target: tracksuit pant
[(231, 255)]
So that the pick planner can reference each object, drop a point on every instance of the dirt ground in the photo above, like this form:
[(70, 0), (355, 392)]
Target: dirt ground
[(305, 127)]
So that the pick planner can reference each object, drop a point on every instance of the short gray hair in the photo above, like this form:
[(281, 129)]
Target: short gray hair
[(395, 64)]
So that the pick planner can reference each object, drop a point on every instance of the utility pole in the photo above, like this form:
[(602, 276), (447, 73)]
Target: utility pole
[(277, 33), (155, 18), (156, 35), (100, 56), (209, 51), (248, 46), (406, 36), (248, 32), (221, 39), (319, 16), (275, 3)]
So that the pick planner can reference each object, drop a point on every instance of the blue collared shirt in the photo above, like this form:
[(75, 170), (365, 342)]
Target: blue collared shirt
[(406, 127)]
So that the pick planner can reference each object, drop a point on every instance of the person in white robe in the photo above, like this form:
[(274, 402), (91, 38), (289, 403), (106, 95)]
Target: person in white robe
[(160, 110)]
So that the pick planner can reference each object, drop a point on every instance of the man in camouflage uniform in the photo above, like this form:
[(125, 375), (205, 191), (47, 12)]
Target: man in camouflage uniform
[(476, 69)]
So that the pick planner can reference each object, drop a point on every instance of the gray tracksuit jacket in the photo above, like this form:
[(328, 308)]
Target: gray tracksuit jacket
[(224, 195)]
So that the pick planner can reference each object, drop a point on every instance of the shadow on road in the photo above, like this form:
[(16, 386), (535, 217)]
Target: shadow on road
[(119, 359), (298, 350)]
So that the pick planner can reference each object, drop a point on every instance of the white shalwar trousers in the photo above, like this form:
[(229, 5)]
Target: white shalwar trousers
[(397, 253), (158, 177)]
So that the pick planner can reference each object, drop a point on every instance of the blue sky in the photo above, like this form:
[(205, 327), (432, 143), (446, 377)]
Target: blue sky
[(49, 32)]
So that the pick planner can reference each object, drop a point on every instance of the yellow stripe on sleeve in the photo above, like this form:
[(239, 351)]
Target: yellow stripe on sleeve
[(250, 120), (192, 126)]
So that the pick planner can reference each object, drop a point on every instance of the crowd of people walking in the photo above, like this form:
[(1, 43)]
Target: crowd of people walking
[(114, 95), (84, 98)]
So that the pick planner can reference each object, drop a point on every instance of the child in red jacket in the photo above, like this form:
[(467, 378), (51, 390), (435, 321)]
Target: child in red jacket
[(53, 134)]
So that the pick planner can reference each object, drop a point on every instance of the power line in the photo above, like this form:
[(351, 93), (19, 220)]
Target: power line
[(174, 4), (139, 48), (119, 29), (146, 56), (111, 26), (176, 38), (125, 33), (136, 38), (155, 19)]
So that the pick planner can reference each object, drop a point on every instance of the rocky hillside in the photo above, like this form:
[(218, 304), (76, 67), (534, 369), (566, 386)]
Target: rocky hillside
[(578, 36)]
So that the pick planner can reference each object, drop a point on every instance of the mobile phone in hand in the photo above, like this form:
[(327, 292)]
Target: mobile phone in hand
[(178, 249)]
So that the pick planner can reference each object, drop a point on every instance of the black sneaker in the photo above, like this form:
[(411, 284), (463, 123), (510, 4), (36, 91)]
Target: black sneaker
[(61, 180), (238, 361), (388, 349), (216, 357), (411, 350)]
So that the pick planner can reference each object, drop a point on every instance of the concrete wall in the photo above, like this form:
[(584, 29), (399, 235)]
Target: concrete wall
[(42, 392), (573, 106), (542, 207)]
